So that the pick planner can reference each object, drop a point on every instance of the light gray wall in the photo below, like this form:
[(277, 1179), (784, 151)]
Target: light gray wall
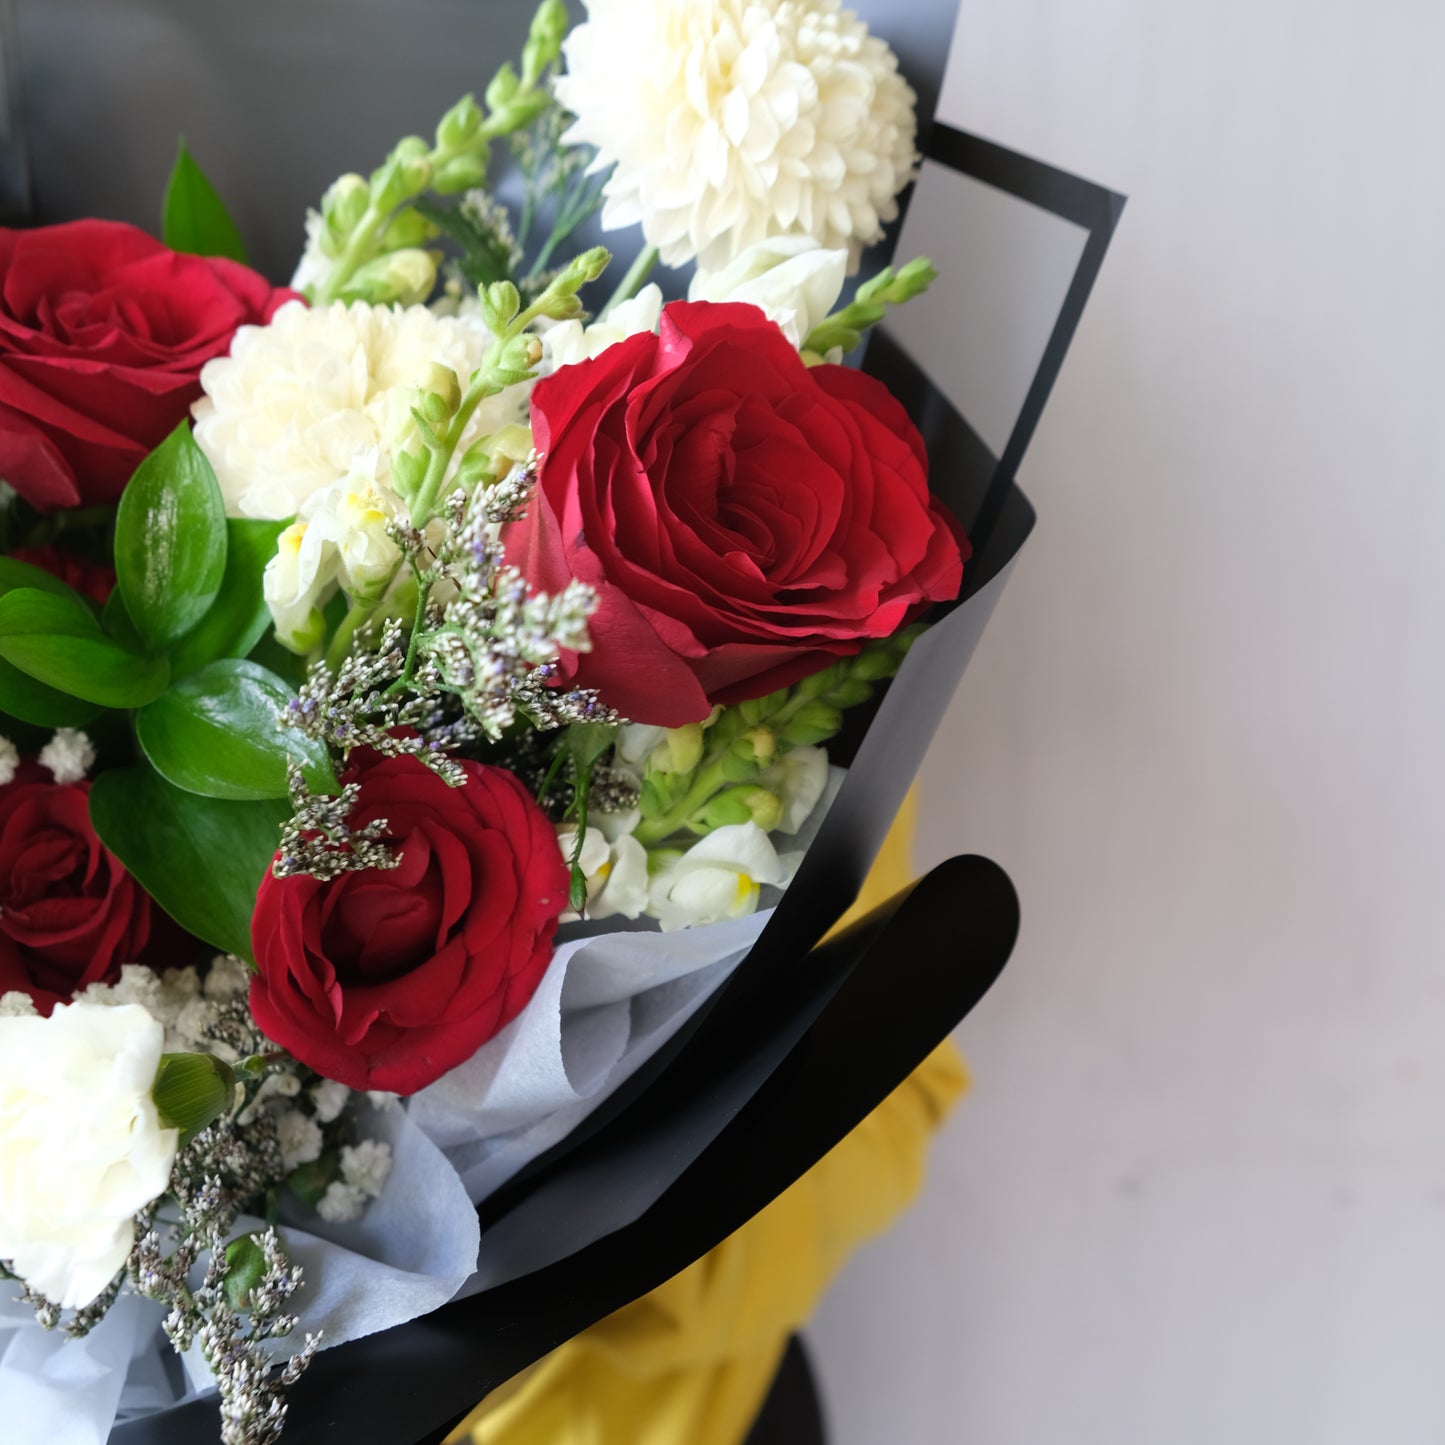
[(1198, 1192)]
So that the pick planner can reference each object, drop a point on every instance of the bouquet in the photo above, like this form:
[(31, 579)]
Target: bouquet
[(417, 682)]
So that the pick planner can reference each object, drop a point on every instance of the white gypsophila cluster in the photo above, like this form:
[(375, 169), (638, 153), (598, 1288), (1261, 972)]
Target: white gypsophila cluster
[(795, 281), (82, 1144), (9, 761), (300, 1138), (364, 1171), (733, 120), (328, 1099), (69, 755), (287, 413), (176, 999), (17, 1005)]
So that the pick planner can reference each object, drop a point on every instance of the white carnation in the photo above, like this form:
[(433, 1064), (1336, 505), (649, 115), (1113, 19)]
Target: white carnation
[(733, 120), (81, 1144), (69, 755), (287, 413)]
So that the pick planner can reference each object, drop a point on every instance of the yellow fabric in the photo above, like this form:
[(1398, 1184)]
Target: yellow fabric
[(690, 1363)]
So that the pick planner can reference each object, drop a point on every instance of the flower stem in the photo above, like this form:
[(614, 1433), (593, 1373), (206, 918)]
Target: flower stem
[(633, 281)]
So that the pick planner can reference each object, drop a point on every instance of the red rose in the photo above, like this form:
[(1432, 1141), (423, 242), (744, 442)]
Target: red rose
[(103, 333), (92, 579), (387, 978), (745, 520), (70, 914)]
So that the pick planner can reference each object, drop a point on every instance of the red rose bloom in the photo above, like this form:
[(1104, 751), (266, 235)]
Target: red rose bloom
[(70, 914), (387, 978), (745, 519), (103, 333), (91, 579)]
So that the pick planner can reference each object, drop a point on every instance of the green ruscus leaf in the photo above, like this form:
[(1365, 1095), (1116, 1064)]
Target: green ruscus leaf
[(56, 641), (238, 617), (201, 859), (193, 217), (215, 733), (170, 540)]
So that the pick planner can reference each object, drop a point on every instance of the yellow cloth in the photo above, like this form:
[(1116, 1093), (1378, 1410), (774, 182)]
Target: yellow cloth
[(690, 1363)]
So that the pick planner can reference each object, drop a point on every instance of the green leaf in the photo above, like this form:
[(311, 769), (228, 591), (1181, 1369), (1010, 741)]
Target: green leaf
[(15, 574), (21, 696), (238, 617), (215, 733), (192, 1090), (193, 217), (170, 540), (57, 641), (201, 859)]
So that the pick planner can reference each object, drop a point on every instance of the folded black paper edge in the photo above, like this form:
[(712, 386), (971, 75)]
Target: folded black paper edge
[(905, 966)]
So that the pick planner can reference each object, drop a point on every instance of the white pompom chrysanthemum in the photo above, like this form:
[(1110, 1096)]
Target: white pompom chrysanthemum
[(734, 120), (296, 401)]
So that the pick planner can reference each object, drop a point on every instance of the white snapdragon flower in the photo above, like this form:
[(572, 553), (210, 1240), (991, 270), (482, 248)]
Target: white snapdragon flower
[(286, 414), (339, 540), (719, 877), (732, 120), (81, 1144), (615, 868), (798, 778), (568, 342), (793, 279)]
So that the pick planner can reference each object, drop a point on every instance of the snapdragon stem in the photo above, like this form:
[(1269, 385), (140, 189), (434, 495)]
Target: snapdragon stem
[(633, 281)]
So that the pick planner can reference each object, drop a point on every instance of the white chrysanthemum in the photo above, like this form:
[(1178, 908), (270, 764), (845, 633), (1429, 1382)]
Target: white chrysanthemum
[(287, 413), (733, 120)]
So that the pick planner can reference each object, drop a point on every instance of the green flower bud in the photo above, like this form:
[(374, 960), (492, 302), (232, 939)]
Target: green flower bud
[(519, 356), (442, 381), (463, 173), (874, 664), (913, 280), (764, 807), (503, 87), (245, 1269), (403, 277), (407, 471), (305, 636), (727, 808), (433, 408), (192, 1090), (457, 127), (500, 303), (521, 111), (814, 722), (680, 750), (850, 692), (407, 228), (344, 204), (404, 174), (760, 744), (544, 40)]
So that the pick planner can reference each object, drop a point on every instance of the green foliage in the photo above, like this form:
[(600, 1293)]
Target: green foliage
[(201, 859), (215, 733), (56, 640), (170, 540), (193, 217), (238, 619)]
